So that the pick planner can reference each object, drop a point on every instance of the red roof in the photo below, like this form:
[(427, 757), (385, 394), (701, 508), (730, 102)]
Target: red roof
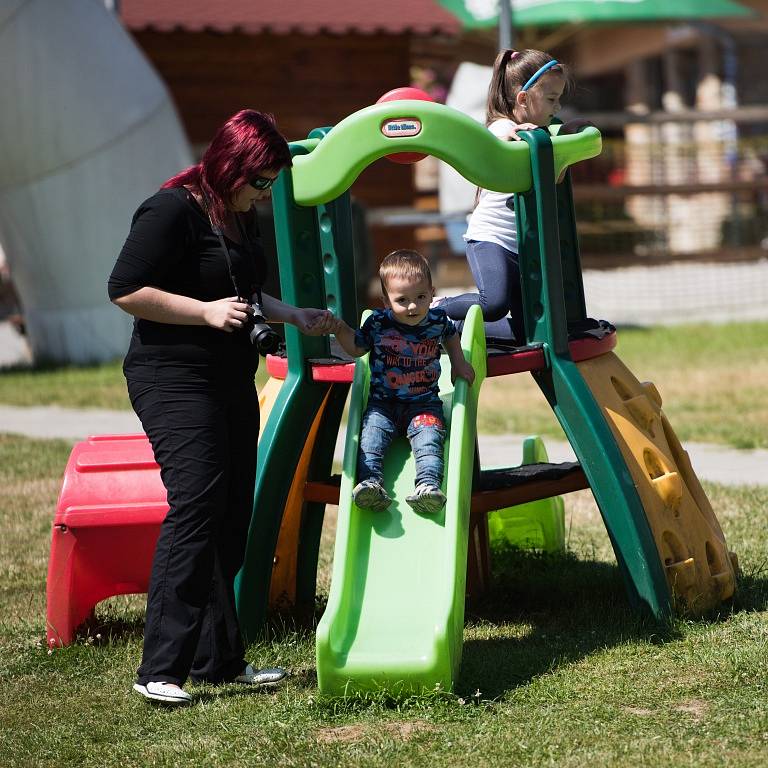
[(422, 17)]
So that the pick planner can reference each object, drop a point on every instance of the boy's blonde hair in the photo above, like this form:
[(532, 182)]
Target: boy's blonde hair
[(406, 264)]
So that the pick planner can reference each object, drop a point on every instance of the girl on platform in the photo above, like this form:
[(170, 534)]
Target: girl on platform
[(524, 94)]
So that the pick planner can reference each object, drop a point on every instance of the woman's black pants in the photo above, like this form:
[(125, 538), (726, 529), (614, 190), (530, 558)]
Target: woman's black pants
[(204, 434)]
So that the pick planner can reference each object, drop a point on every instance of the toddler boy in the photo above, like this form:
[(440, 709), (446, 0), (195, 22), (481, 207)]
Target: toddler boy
[(404, 342)]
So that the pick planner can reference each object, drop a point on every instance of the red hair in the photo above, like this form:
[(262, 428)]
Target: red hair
[(247, 144)]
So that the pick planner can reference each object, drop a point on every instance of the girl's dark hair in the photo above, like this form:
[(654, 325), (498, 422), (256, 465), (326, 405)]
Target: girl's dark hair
[(511, 71), (247, 144)]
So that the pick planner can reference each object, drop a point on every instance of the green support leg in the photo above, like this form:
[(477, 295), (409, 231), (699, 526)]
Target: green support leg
[(316, 270), (279, 451), (314, 512), (568, 394), (611, 484)]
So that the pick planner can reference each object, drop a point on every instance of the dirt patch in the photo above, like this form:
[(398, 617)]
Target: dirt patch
[(639, 711), (344, 733), (350, 733), (694, 707)]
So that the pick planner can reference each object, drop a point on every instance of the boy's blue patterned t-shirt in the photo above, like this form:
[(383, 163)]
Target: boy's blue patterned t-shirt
[(404, 359)]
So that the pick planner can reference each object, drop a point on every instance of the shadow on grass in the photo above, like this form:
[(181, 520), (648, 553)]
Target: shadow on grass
[(565, 609), (208, 693), (752, 591), (113, 627), (543, 612)]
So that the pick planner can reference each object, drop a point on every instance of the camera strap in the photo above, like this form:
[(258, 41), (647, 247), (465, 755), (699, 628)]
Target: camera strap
[(244, 236), (217, 231)]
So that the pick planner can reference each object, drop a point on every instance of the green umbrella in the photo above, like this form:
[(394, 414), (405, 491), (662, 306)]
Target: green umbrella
[(478, 14)]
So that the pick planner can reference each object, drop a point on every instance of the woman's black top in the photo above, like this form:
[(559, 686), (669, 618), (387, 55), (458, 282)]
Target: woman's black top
[(171, 246)]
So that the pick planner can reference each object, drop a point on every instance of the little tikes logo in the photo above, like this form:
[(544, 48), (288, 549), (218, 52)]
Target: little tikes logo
[(400, 127)]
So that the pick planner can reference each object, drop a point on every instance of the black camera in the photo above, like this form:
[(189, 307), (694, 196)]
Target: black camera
[(261, 335)]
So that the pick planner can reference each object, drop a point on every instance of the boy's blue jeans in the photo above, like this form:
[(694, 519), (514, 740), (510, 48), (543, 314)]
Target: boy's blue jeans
[(422, 424)]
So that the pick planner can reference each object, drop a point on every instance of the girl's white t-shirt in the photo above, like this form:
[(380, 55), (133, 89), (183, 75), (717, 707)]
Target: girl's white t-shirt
[(493, 220)]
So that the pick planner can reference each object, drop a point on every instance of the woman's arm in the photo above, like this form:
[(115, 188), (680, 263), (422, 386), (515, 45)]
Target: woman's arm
[(308, 320), (159, 306), (276, 311)]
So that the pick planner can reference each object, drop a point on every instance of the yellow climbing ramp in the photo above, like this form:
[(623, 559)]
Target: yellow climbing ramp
[(700, 570)]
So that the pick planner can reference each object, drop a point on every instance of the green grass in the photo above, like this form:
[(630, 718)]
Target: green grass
[(557, 671), (713, 381), (71, 386)]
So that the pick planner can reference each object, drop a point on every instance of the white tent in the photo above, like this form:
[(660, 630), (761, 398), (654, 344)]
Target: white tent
[(87, 131), (468, 93)]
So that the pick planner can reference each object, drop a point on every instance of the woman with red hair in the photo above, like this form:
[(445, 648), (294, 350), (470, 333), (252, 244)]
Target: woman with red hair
[(190, 272)]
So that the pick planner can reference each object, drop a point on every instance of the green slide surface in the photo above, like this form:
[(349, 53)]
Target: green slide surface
[(395, 614)]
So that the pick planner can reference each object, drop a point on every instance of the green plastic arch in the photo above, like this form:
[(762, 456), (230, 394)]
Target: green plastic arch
[(334, 162)]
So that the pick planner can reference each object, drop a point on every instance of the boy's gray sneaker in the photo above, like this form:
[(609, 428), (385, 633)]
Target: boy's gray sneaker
[(427, 499), (370, 494)]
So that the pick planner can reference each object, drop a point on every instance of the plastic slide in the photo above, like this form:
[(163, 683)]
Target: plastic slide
[(535, 524), (395, 614)]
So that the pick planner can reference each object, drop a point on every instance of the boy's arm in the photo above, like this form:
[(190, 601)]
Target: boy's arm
[(346, 337), (459, 366)]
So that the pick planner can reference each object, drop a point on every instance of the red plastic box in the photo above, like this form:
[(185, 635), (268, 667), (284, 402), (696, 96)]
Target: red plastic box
[(107, 522)]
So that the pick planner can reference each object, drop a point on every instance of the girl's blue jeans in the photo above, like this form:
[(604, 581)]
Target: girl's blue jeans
[(497, 275), (421, 423)]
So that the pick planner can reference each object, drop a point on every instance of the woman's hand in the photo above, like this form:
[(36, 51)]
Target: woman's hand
[(314, 322), (225, 314), (326, 323), (310, 321)]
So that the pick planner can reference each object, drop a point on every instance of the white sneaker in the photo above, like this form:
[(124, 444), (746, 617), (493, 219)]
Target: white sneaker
[(268, 676), (370, 494), (427, 499), (157, 691)]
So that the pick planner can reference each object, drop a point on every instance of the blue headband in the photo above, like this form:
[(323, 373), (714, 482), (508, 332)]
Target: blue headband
[(539, 72)]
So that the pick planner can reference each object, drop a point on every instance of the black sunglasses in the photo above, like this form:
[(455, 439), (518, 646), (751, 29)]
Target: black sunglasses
[(261, 182)]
